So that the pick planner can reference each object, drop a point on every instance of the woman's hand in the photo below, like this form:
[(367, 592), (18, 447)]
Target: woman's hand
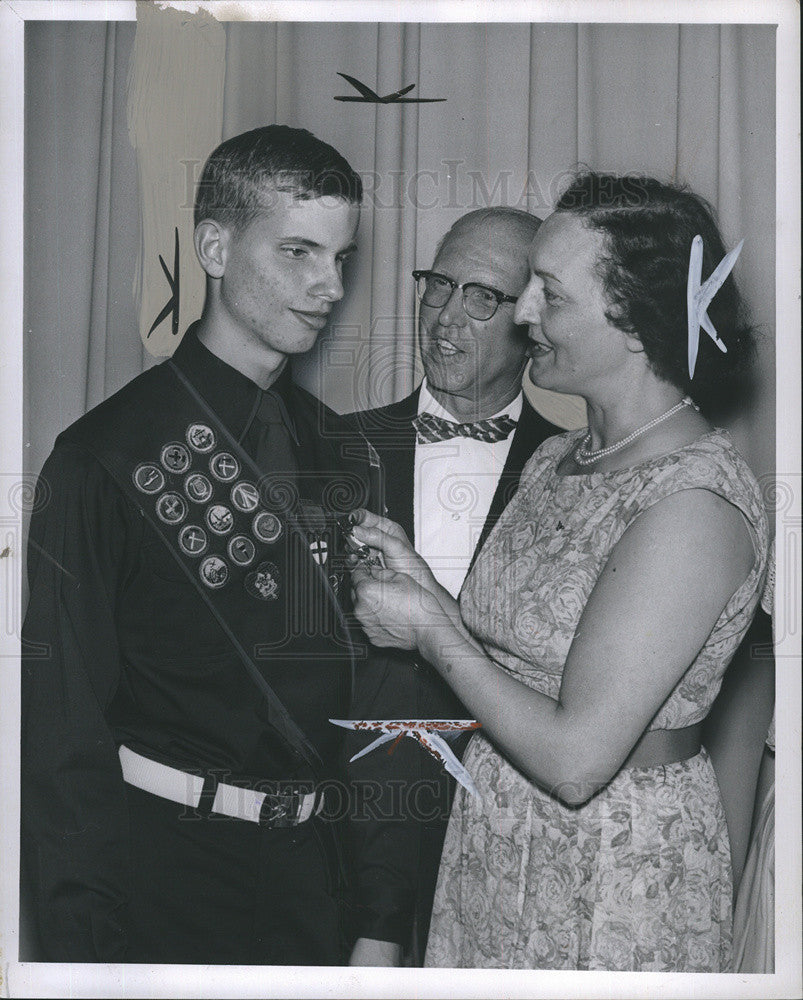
[(389, 539), (393, 609)]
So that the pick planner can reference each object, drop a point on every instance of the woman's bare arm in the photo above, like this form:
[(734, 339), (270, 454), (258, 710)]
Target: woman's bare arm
[(662, 590)]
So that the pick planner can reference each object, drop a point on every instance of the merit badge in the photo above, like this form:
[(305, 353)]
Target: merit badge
[(319, 550), (197, 487), (245, 497), (220, 519), (175, 457), (224, 466), (267, 527), (214, 572), (200, 438), (171, 508), (241, 550), (192, 540), (148, 478), (263, 583)]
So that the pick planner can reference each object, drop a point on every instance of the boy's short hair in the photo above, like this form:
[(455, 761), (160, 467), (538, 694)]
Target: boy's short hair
[(233, 184)]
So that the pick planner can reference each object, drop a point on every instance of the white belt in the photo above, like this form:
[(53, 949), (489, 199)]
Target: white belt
[(230, 800)]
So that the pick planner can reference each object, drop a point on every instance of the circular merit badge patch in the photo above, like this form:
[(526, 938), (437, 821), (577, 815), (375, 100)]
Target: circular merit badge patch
[(148, 478), (193, 540), (214, 572), (171, 508), (241, 550), (200, 438), (245, 497), (197, 487), (220, 519), (263, 582), (224, 467), (267, 527), (175, 457)]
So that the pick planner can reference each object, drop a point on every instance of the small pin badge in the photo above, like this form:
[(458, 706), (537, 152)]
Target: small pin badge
[(200, 438), (263, 582), (319, 549)]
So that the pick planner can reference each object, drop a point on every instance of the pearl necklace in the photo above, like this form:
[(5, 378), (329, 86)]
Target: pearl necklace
[(584, 456)]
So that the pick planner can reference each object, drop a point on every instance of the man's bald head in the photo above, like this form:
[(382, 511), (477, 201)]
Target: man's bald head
[(515, 223), (475, 367)]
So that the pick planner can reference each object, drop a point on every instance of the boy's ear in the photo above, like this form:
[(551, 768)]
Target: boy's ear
[(211, 246)]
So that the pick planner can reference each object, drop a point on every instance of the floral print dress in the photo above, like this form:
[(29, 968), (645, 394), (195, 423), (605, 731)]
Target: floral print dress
[(639, 877)]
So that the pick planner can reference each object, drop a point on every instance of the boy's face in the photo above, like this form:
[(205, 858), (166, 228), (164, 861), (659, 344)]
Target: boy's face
[(283, 271)]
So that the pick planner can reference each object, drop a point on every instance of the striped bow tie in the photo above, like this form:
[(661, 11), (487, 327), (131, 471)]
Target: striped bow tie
[(430, 428)]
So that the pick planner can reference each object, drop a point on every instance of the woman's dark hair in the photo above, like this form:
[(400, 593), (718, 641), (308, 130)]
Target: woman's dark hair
[(239, 176), (648, 228)]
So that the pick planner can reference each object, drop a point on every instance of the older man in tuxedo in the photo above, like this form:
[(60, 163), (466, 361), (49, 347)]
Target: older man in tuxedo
[(453, 452)]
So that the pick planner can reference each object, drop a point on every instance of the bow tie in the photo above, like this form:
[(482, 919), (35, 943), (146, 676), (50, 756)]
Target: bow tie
[(430, 428)]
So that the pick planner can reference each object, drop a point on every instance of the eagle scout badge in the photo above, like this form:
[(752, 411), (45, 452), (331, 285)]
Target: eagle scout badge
[(220, 519), (192, 540), (148, 478), (263, 583), (171, 508), (267, 527), (197, 487), (175, 457), (241, 550), (200, 438), (214, 572), (224, 467)]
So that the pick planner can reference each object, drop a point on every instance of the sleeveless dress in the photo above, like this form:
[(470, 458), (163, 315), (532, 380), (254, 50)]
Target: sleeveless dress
[(754, 916), (639, 877)]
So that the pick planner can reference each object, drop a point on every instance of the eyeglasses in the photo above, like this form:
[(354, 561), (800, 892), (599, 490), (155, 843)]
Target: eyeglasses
[(479, 301)]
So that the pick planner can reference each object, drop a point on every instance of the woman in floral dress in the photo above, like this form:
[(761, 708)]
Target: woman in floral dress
[(594, 629)]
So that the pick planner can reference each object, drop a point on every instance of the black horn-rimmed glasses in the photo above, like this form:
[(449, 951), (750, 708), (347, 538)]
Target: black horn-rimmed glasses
[(479, 301)]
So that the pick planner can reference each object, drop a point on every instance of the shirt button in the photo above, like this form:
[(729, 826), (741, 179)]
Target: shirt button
[(455, 516)]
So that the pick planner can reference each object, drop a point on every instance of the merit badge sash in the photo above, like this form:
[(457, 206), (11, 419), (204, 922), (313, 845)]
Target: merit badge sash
[(203, 495)]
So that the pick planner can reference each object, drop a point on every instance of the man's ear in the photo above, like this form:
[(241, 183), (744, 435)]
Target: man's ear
[(211, 246)]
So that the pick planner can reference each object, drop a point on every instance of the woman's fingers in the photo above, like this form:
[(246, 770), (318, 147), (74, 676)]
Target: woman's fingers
[(364, 519), (385, 536)]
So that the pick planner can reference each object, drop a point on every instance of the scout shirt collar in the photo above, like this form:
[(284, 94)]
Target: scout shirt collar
[(232, 395)]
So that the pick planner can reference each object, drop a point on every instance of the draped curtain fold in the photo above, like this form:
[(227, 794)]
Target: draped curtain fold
[(525, 104)]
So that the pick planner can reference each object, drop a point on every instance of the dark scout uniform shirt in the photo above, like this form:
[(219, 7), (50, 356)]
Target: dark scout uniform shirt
[(120, 648)]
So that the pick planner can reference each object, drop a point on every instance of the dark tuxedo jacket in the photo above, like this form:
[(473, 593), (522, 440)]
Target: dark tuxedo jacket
[(402, 685)]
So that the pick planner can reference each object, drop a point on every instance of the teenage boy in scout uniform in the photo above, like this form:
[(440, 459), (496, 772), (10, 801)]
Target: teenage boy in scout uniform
[(186, 642)]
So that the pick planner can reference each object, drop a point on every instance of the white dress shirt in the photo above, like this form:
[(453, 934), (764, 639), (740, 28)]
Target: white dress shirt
[(454, 485)]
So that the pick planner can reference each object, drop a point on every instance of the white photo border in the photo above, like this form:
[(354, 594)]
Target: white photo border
[(27, 979)]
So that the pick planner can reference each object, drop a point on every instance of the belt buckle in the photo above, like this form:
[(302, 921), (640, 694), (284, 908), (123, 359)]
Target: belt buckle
[(279, 810)]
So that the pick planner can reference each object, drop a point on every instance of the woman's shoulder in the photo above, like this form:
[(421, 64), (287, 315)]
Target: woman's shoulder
[(549, 453), (712, 461)]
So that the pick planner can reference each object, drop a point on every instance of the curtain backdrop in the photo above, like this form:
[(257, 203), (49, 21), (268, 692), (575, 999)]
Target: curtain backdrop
[(525, 103)]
